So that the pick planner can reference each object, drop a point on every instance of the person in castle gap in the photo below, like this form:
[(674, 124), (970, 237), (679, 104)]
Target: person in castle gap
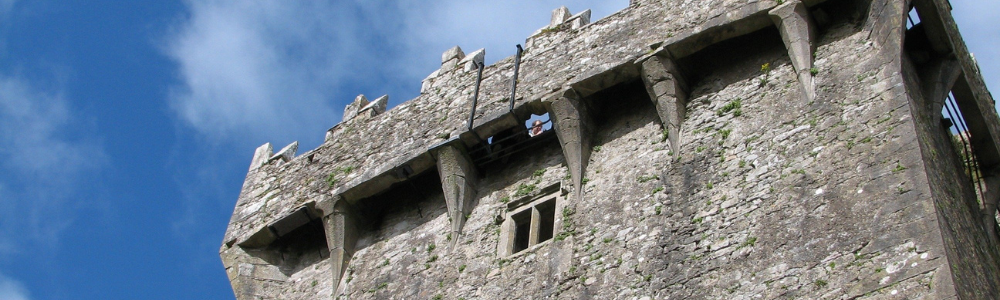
[(536, 128)]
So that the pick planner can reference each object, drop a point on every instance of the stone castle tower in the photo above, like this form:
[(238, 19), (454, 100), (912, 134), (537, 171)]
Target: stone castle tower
[(716, 149)]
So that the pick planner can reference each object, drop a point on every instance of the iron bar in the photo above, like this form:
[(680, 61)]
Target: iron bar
[(513, 81), (971, 161), (475, 96)]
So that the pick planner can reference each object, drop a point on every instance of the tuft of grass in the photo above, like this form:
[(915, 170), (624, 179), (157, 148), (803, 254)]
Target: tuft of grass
[(733, 106), (656, 190), (524, 190), (431, 247), (724, 133), (820, 283), (643, 178), (813, 71), (538, 173), (749, 242), (597, 148), (331, 179), (461, 268)]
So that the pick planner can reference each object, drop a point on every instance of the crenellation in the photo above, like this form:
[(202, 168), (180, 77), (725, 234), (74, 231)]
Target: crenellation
[(473, 60), (681, 168), (261, 155), (559, 16), (451, 57), (286, 154)]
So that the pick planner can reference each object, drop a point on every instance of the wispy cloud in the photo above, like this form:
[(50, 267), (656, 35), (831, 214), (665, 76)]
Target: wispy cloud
[(44, 163), (259, 67), (282, 70), (11, 289)]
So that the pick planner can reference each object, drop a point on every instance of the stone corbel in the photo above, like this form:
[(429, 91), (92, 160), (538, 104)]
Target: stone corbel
[(573, 127), (458, 181), (798, 32), (340, 223), (666, 88), (937, 78)]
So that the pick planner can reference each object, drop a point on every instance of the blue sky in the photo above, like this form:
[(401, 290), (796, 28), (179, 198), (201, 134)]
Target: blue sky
[(127, 127)]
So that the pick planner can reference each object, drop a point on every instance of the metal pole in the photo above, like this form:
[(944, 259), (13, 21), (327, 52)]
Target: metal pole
[(475, 96), (513, 82)]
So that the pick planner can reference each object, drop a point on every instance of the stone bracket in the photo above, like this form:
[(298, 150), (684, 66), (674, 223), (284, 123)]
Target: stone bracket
[(458, 181), (573, 127), (937, 78), (666, 88), (798, 32), (341, 225)]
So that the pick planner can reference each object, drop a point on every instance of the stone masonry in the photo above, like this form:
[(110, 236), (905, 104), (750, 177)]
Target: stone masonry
[(716, 149)]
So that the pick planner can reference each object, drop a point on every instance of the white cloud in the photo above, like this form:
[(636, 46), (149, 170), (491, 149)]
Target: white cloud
[(43, 163), (259, 67), (280, 70), (11, 289)]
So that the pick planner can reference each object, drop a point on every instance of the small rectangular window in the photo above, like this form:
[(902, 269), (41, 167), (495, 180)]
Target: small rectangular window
[(529, 222)]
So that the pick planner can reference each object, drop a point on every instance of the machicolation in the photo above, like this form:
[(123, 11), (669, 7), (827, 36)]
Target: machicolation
[(718, 149)]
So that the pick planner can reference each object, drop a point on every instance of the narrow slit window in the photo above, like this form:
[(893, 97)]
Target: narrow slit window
[(522, 231)]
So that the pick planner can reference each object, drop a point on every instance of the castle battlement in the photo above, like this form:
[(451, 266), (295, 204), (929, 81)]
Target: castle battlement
[(718, 149)]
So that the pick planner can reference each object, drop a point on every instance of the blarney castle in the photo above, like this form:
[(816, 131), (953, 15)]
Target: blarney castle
[(713, 149)]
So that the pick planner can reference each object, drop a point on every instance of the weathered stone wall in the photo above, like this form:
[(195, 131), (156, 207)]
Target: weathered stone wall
[(769, 193)]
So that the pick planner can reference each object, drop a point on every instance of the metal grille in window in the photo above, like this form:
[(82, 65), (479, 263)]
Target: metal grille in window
[(962, 140)]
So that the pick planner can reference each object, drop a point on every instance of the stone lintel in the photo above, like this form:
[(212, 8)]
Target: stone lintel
[(573, 128), (666, 88), (340, 223), (458, 181), (933, 26), (261, 155), (798, 32)]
